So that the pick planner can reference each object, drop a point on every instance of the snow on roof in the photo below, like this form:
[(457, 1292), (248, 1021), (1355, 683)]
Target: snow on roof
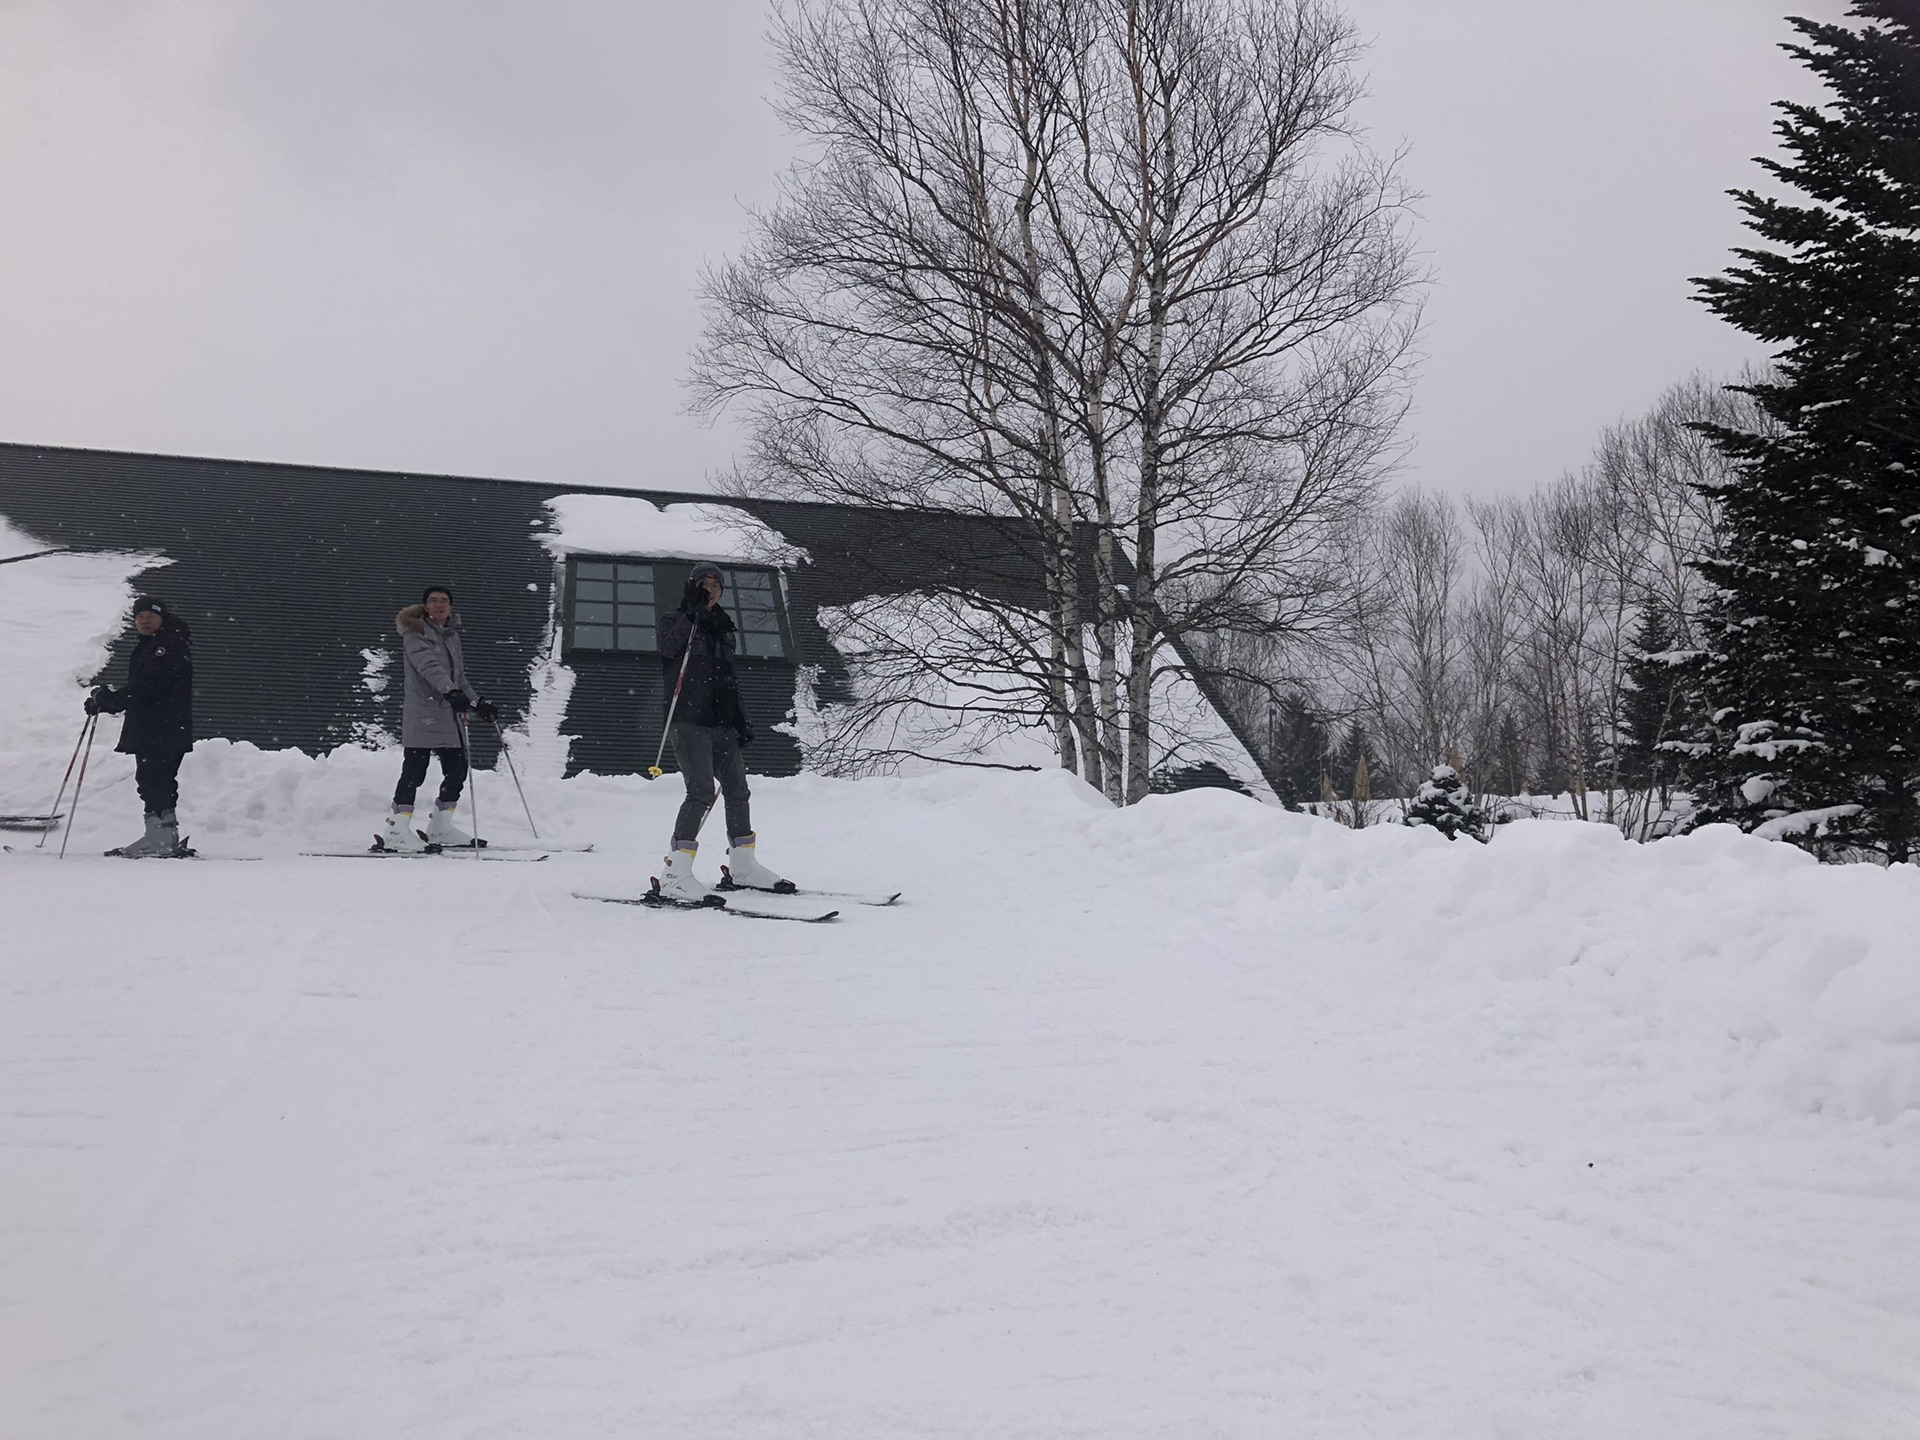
[(629, 525), (16, 544)]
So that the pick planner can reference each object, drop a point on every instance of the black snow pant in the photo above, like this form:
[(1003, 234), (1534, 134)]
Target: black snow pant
[(156, 775), (706, 753), (413, 771)]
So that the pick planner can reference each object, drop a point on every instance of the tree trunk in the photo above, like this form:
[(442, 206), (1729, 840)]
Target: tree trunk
[(1106, 602), (1073, 641), (1063, 735)]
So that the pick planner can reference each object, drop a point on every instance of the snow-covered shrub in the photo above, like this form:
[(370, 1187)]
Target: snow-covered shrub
[(1443, 803)]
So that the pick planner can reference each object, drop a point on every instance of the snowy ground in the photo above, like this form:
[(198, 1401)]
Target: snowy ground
[(1200, 1119)]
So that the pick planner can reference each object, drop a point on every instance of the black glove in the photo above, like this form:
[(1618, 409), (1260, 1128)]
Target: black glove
[(458, 700), (104, 701), (92, 705), (744, 729), (710, 617), (487, 711)]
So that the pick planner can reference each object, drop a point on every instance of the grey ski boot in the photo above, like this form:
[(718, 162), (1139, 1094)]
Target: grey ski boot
[(161, 840)]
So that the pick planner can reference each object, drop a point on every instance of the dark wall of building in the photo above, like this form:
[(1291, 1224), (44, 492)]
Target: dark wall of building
[(289, 573), (286, 575)]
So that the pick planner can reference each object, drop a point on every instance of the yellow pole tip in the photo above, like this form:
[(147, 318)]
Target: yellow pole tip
[(654, 772)]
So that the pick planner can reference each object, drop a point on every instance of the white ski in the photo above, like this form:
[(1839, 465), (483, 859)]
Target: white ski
[(732, 887), (715, 904)]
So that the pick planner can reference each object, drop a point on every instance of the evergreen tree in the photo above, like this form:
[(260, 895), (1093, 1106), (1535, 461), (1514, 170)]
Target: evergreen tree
[(1354, 761), (1653, 711), (1351, 767), (1511, 750), (1297, 749), (1812, 670), (1443, 803)]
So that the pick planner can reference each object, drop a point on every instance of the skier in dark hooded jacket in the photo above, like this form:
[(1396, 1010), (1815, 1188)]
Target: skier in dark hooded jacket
[(709, 730), (158, 732)]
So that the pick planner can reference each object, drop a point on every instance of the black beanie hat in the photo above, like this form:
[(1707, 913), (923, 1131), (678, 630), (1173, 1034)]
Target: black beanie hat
[(147, 602), (436, 590)]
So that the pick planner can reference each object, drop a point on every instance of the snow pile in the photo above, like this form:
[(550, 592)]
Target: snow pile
[(1200, 1117), (629, 525)]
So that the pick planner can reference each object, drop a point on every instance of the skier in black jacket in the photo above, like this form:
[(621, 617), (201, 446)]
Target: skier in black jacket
[(710, 727), (158, 703)]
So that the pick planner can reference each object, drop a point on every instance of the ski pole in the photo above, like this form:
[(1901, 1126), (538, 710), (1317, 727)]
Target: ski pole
[(473, 789), (74, 814), (515, 773), (54, 809), (654, 772)]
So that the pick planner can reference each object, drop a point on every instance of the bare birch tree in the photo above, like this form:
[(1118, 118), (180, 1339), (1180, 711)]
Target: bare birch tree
[(1082, 263), (1264, 370)]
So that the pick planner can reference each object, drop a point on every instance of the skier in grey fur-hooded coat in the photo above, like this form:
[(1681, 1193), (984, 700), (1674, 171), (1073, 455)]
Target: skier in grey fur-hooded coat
[(435, 668)]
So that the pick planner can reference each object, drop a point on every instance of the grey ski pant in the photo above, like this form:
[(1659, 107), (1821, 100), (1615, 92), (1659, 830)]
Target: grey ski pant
[(705, 754)]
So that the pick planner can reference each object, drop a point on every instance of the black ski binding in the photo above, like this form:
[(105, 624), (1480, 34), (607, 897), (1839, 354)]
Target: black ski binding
[(654, 898), (379, 847), (180, 851), (727, 882), (438, 845)]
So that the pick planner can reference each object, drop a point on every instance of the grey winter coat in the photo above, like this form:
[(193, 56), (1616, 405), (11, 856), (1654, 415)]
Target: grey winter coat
[(435, 667)]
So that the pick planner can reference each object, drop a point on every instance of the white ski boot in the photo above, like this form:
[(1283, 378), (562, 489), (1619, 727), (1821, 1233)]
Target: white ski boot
[(398, 834), (744, 870), (679, 883), (443, 832)]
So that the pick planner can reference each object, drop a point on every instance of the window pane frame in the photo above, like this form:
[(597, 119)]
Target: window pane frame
[(612, 585)]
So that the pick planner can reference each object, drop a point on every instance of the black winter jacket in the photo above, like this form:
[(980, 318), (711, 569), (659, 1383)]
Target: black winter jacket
[(710, 693), (158, 695)]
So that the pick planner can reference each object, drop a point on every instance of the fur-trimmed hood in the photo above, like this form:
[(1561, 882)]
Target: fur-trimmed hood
[(413, 621)]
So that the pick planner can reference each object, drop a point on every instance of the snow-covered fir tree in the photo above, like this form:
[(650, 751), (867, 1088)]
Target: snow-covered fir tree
[(1443, 803), (1812, 671)]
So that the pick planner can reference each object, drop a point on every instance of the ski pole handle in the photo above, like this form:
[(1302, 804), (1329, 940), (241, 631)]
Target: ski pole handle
[(654, 772)]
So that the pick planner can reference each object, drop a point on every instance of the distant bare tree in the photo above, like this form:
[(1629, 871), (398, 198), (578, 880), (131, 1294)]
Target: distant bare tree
[(1506, 646), (1661, 469)]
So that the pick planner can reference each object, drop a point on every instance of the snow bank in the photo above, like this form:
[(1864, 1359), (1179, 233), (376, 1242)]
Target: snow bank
[(1800, 976), (1196, 1118), (629, 525)]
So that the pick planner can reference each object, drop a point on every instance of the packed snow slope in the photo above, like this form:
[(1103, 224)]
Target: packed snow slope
[(1196, 1119)]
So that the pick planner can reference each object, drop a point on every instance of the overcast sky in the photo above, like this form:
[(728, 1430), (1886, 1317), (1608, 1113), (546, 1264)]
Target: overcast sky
[(463, 236)]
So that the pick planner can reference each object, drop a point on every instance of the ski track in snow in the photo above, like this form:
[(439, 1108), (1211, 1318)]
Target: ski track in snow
[(1195, 1120)]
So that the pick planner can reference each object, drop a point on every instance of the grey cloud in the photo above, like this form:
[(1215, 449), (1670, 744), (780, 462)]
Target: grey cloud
[(464, 235)]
